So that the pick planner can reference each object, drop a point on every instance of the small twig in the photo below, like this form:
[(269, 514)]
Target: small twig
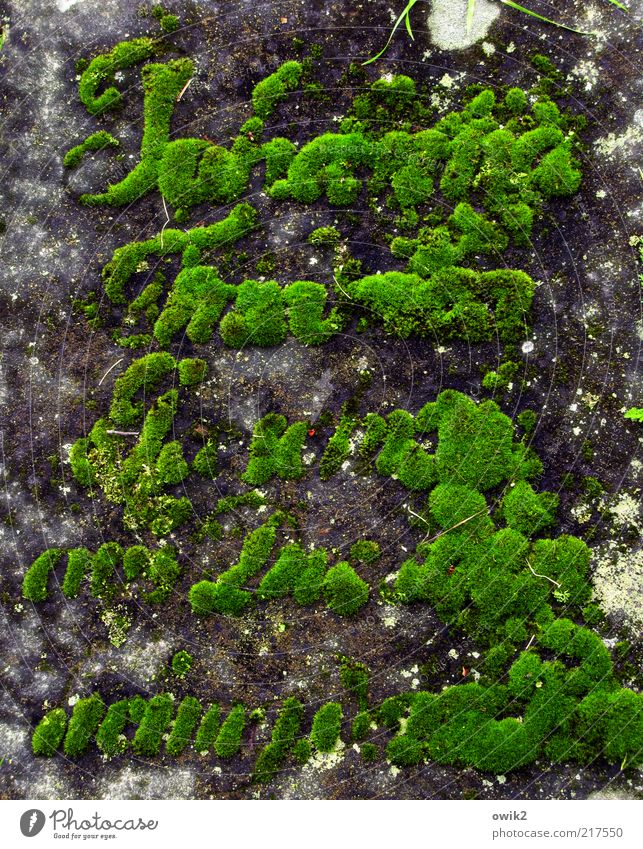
[(453, 527), (533, 637), (184, 89), (417, 516), (167, 220), (547, 578), (343, 290), (110, 369), (122, 432)]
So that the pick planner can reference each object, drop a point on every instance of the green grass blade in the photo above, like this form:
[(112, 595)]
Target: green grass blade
[(471, 7), (526, 11), (407, 21), (620, 5), (404, 16)]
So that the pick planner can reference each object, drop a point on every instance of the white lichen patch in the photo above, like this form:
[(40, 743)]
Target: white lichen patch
[(447, 23), (323, 761), (611, 144), (625, 511), (587, 72), (147, 783), (618, 583)]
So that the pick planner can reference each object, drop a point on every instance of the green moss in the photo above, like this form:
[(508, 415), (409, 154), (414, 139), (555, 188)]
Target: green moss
[(275, 450), (305, 304), (369, 752), (344, 591), (96, 141), (527, 420), (103, 583), (228, 740), (101, 71), (258, 316), (161, 85), (84, 721), (145, 373), (169, 23), (182, 663), (283, 739), (324, 236), (301, 751), (192, 371), (127, 259), (527, 511), (361, 726), (206, 462), (501, 380), (365, 551), (154, 722), (110, 737), (337, 448), (79, 562), (310, 583), (354, 677), (326, 728), (208, 730), (282, 578), (273, 89), (453, 304), (187, 717), (34, 584), (49, 733)]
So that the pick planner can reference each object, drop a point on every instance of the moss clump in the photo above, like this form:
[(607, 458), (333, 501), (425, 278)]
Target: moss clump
[(206, 462), (305, 304), (527, 511), (79, 564), (208, 730), (110, 738), (326, 728), (454, 304), (338, 448), (154, 722), (187, 717), (228, 740), (49, 732), (345, 592), (145, 373), (283, 739), (273, 89), (127, 259), (34, 584), (324, 236), (227, 595), (96, 141), (84, 721), (192, 371), (161, 85), (182, 663), (101, 71), (275, 450), (354, 677), (258, 316), (365, 551)]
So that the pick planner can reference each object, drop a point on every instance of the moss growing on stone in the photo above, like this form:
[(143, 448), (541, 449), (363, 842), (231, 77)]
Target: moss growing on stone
[(208, 730), (96, 141), (84, 721), (110, 737), (36, 579), (101, 71), (187, 717), (273, 89), (49, 733), (345, 592), (275, 450), (228, 740), (326, 727), (154, 723), (282, 741)]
